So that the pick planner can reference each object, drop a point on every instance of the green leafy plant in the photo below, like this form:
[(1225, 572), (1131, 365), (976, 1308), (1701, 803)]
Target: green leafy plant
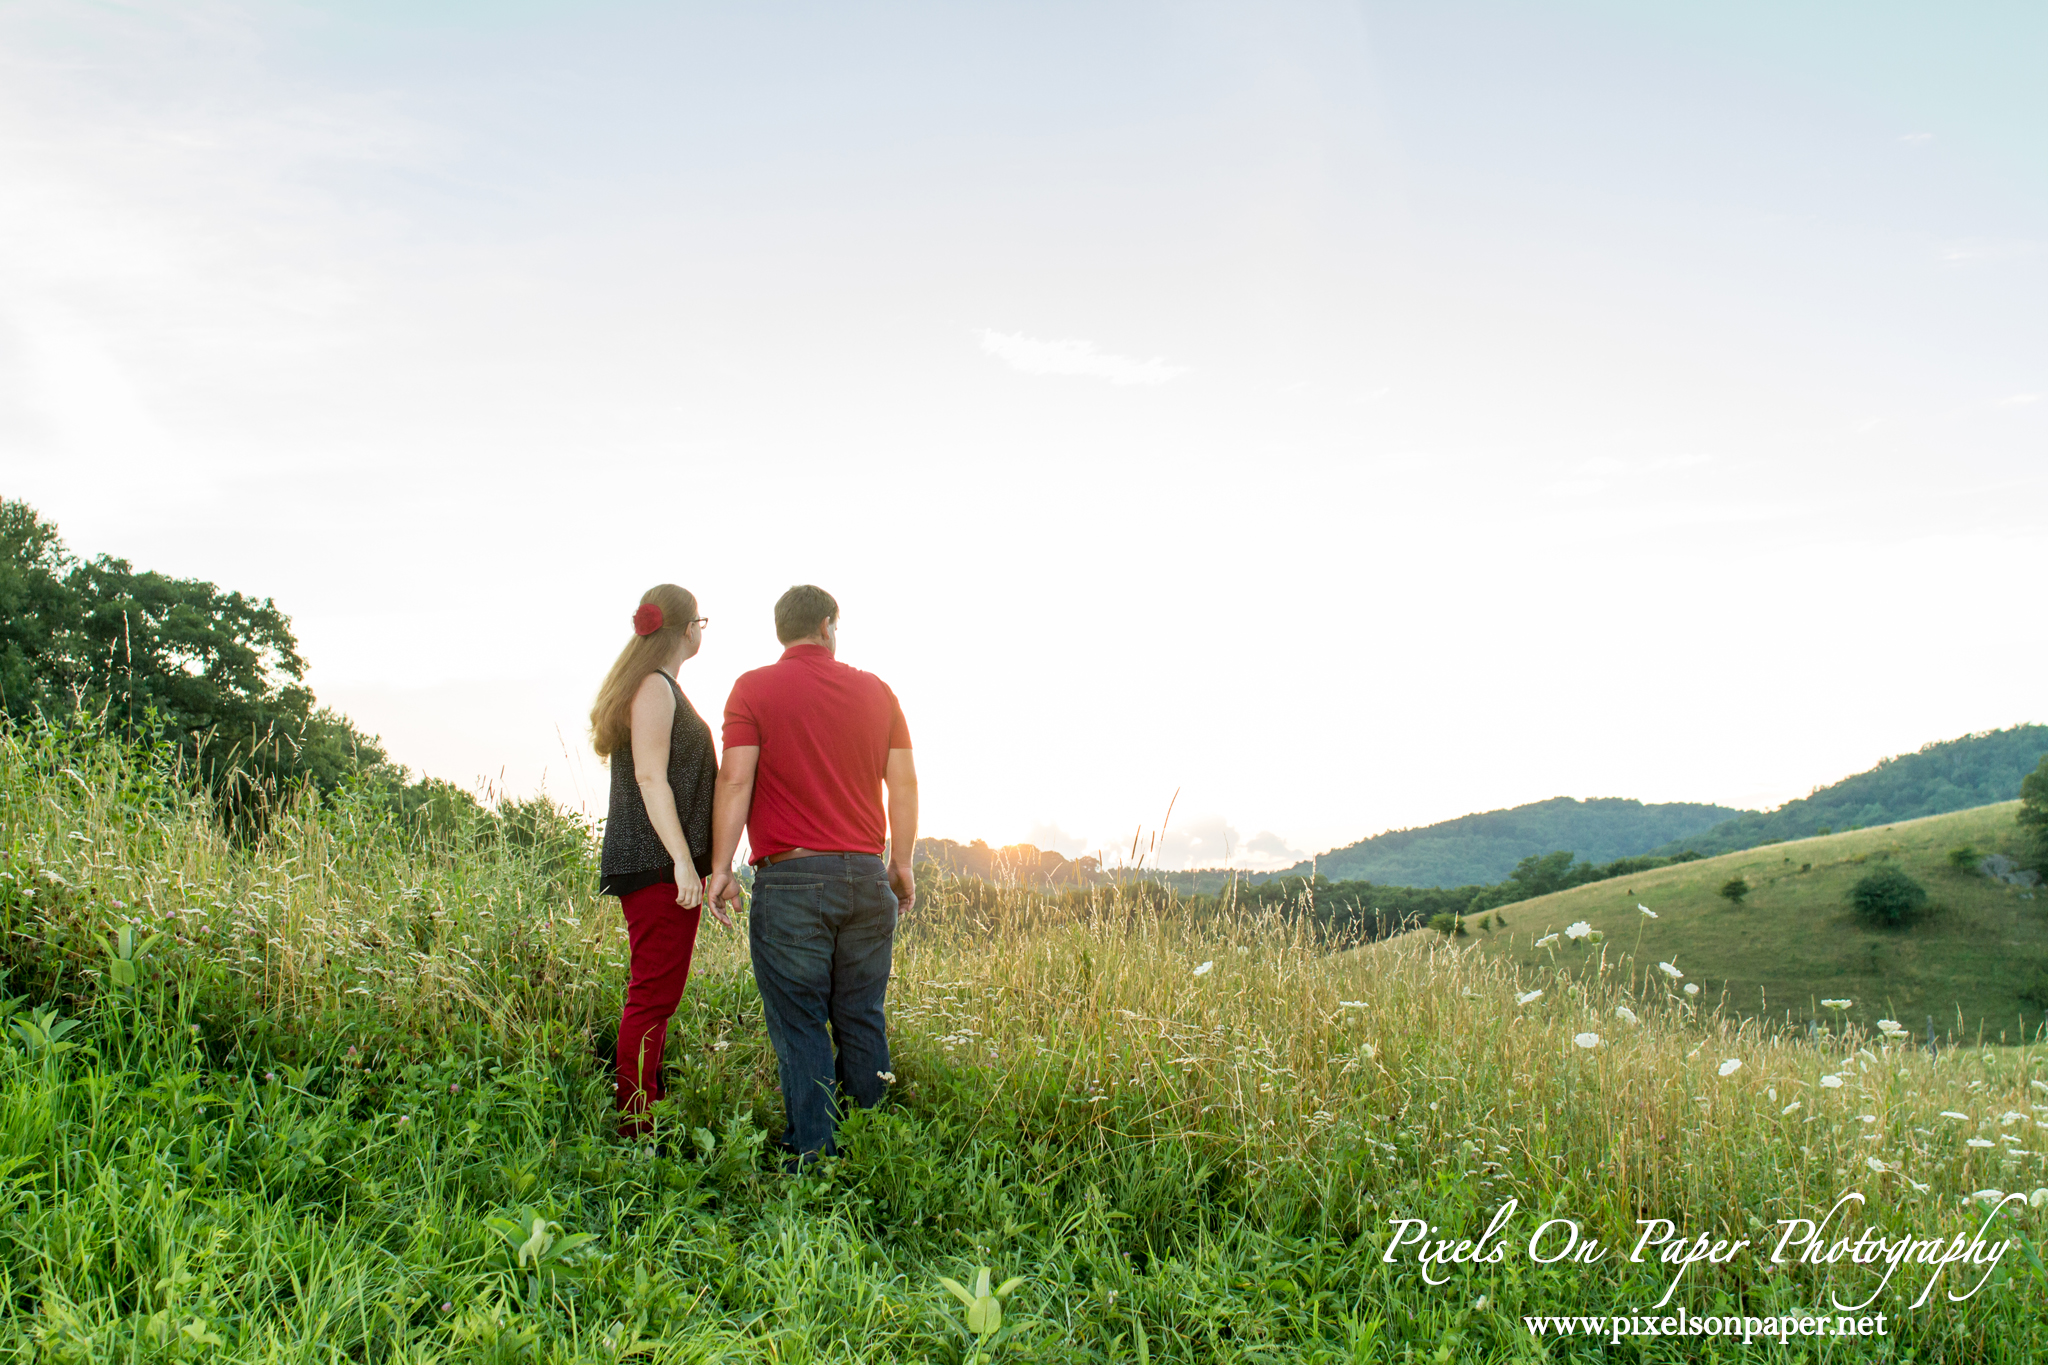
[(1965, 859), (42, 1033), (1733, 890), (124, 956), (983, 1319), (536, 1247)]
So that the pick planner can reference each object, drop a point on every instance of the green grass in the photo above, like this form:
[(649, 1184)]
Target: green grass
[(352, 1084), (1794, 940)]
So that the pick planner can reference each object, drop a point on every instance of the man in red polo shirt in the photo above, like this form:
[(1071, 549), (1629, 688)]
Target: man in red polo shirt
[(810, 744)]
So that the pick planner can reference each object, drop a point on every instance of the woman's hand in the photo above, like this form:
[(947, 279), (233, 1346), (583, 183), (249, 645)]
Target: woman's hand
[(689, 891)]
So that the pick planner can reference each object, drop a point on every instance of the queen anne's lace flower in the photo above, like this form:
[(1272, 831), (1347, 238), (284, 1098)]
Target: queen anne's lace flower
[(1731, 1066), (1587, 1040)]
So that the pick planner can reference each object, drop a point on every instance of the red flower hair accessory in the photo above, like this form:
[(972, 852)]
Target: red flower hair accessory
[(647, 619)]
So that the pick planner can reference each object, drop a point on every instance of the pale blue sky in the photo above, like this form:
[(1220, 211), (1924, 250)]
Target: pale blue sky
[(1349, 416)]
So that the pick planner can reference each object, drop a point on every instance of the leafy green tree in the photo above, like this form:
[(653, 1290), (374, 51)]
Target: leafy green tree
[(2033, 816), (38, 613), (1888, 898), (1734, 889), (218, 674)]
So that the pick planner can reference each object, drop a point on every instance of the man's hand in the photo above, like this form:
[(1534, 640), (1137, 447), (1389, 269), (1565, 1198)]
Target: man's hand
[(900, 777), (725, 894), (689, 890), (904, 883)]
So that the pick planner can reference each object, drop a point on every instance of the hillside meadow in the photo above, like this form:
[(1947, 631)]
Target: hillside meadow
[(333, 1094), (1965, 971)]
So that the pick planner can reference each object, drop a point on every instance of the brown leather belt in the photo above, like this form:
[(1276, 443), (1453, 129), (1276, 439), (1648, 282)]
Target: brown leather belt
[(789, 853)]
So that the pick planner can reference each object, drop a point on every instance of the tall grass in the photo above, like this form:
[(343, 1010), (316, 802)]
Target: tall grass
[(350, 1102)]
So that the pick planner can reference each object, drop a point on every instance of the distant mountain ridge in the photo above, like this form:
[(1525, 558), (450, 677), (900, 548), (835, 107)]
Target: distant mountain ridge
[(1483, 848), (1944, 776)]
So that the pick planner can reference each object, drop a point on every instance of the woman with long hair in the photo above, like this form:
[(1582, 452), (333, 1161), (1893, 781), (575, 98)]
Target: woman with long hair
[(657, 834)]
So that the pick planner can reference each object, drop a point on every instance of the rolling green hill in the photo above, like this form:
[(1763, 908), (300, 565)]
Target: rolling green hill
[(1968, 967), (1947, 775), (1484, 848)]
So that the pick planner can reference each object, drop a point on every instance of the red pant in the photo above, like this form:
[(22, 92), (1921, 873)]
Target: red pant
[(662, 934)]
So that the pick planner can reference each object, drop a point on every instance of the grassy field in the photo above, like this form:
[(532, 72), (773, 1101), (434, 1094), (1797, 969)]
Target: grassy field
[(334, 1098), (1794, 940)]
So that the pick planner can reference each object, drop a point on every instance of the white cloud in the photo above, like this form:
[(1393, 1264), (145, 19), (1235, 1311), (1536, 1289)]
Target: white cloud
[(2019, 400), (1048, 835), (1270, 849), (1916, 139), (1071, 356)]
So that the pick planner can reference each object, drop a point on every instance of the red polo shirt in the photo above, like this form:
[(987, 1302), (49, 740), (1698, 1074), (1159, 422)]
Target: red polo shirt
[(825, 730)]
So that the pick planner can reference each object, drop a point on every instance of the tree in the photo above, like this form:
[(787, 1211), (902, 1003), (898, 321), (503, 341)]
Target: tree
[(2033, 816), (1734, 889), (216, 673), (1888, 898), (38, 613)]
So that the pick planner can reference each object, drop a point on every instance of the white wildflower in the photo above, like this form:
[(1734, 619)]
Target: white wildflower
[(1988, 1196), (1546, 940), (1625, 1014), (1731, 1066), (1203, 970), (1351, 1004), (1832, 1082), (1790, 1107), (1587, 1040), (2011, 1117), (1670, 971), (1577, 929), (1691, 989), (1528, 997), (886, 1077), (1479, 1304), (1837, 1004), (1646, 910), (1874, 1164), (2038, 1199), (1952, 1114), (1979, 1142)]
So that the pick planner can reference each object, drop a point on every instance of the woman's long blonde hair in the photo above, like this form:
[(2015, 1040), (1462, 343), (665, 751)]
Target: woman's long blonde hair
[(611, 718)]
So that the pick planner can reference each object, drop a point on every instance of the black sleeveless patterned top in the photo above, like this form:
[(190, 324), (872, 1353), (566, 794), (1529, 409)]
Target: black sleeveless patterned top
[(633, 855)]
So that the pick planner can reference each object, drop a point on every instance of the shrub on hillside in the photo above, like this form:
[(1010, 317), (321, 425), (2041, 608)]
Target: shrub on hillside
[(1733, 890), (1965, 859), (2033, 816), (1449, 925), (1888, 898), (2035, 992)]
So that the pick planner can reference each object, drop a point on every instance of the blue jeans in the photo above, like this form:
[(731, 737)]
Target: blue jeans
[(822, 930)]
